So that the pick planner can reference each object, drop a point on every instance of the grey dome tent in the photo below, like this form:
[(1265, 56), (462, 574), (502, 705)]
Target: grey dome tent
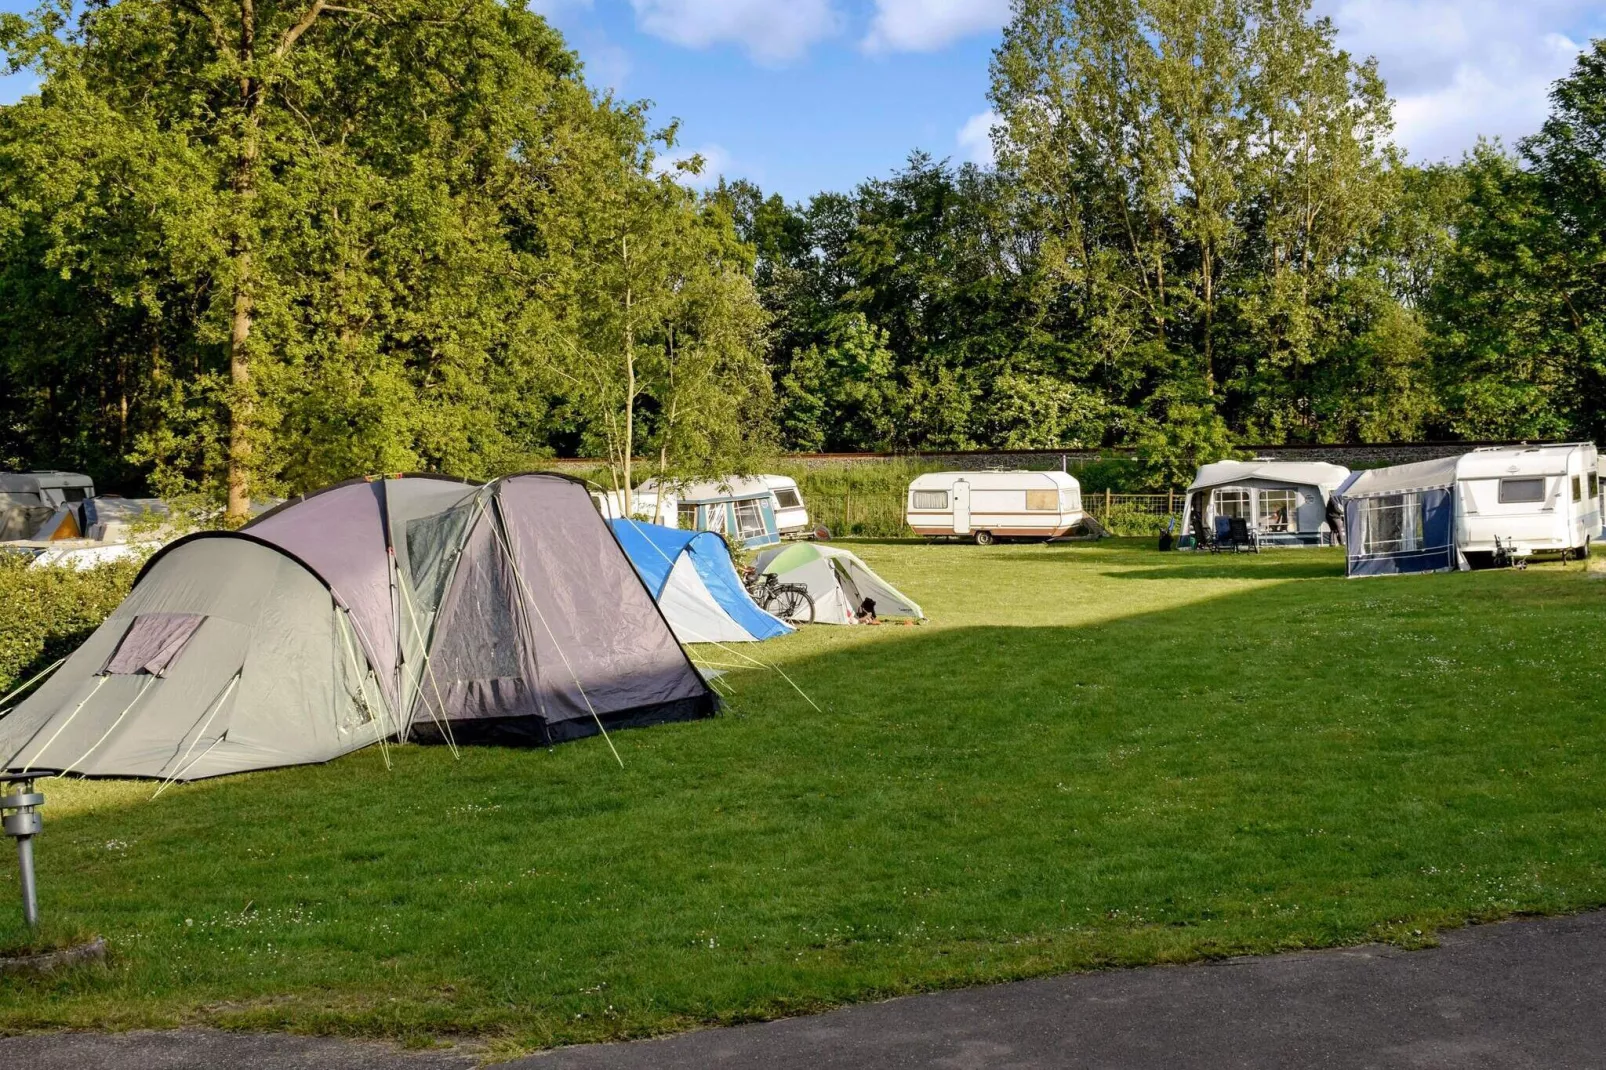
[(409, 608)]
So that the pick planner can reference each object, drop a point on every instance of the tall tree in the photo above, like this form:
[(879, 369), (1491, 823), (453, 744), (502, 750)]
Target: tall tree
[(1211, 177), (298, 241)]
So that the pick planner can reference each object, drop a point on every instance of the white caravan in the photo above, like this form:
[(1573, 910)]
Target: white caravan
[(791, 514), (1545, 499), (994, 505), (644, 505), (1600, 499)]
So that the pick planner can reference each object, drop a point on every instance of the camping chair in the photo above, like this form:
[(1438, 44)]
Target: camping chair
[(1240, 537), (1223, 537)]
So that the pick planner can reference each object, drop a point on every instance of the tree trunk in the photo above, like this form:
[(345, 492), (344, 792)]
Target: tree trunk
[(669, 429), (628, 504), (240, 405), (239, 506), (1209, 321)]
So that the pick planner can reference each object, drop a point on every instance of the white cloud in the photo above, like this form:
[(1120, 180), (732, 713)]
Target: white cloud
[(549, 8), (927, 25), (772, 31), (975, 138), (1460, 68), (606, 64)]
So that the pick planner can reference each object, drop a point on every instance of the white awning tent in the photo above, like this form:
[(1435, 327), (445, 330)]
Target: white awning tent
[(1287, 502)]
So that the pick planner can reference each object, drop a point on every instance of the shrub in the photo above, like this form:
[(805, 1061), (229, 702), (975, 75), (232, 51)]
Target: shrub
[(46, 612)]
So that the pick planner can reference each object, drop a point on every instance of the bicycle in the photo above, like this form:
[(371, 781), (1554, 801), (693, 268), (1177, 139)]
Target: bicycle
[(788, 601)]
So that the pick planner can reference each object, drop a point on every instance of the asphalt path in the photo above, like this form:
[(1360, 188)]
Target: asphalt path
[(1504, 997)]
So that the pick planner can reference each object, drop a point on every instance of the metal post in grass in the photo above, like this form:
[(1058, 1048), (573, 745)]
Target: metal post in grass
[(22, 822)]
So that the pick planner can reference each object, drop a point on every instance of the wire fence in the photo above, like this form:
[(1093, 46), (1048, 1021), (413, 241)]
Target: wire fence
[(880, 514)]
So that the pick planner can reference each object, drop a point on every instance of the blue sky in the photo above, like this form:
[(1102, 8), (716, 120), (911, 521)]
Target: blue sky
[(804, 95)]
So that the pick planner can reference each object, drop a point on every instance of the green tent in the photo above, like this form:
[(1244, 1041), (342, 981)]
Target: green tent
[(837, 580)]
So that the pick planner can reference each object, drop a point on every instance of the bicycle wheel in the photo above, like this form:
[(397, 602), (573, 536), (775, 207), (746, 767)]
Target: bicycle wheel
[(791, 602)]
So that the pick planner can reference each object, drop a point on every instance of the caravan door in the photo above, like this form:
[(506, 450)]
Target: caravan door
[(961, 508)]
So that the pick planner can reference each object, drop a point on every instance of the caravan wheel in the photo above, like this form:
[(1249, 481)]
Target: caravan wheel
[(984, 538)]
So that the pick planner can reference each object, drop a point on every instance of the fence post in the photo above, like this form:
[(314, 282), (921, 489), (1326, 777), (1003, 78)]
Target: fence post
[(1170, 501), (847, 514), (1106, 501)]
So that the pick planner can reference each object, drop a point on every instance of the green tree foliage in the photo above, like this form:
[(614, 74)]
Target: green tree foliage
[(1212, 179), (1519, 301), (1197, 231), (264, 244), (254, 246)]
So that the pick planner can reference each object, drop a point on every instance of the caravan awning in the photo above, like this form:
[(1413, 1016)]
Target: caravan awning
[(1302, 473), (1401, 478)]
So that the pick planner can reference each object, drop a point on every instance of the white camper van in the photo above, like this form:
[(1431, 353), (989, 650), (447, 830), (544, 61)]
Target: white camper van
[(1545, 499), (994, 505), (791, 514)]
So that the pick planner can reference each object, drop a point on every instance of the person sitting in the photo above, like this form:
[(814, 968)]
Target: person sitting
[(866, 614)]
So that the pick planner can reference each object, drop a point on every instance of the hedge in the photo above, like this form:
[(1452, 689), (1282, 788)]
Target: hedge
[(46, 612)]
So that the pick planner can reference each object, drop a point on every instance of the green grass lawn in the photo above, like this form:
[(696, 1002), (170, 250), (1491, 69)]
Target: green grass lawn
[(1092, 756)]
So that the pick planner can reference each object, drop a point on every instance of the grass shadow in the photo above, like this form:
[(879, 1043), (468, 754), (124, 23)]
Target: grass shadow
[(1279, 569)]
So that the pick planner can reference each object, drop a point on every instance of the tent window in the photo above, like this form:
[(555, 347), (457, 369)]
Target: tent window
[(749, 519), (716, 518), (1578, 489), (152, 643), (1279, 510), (931, 499), (1046, 501), (1231, 502), (787, 498), (430, 542), (1514, 491), (1393, 523)]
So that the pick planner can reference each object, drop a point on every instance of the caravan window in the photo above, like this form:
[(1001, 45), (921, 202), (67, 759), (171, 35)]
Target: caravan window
[(716, 518), (1046, 501), (749, 520), (787, 498), (1516, 491), (1578, 489), (1393, 523), (931, 499), (1594, 484), (1279, 510), (1232, 502), (686, 517)]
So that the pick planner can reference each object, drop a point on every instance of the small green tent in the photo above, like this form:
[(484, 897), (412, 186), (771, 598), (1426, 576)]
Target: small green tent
[(837, 580)]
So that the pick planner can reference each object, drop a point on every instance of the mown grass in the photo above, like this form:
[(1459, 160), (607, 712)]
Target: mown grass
[(1092, 756)]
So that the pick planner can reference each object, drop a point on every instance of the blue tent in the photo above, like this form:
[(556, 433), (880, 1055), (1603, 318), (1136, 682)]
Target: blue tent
[(691, 575), (1401, 519)]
